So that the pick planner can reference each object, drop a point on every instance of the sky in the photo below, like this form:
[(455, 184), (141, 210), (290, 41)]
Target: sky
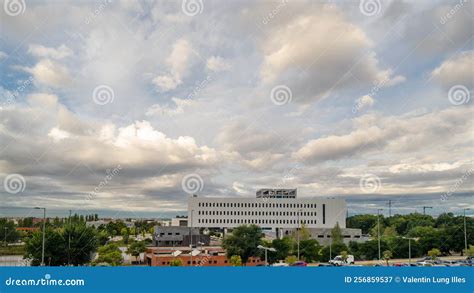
[(132, 106)]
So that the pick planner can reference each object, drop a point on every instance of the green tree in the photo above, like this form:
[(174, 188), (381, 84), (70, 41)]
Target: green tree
[(310, 250), (344, 255), (236, 260), (111, 254), (399, 248), (369, 249), (291, 259), (58, 250), (434, 253), (363, 222), (470, 251), (387, 255), (135, 248), (336, 234), (55, 253), (176, 262), (83, 242), (243, 241), (8, 229), (282, 247)]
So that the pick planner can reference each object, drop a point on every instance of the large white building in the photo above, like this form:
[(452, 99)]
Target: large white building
[(271, 209)]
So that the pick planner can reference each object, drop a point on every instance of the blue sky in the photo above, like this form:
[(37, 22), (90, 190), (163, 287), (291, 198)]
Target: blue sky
[(133, 105)]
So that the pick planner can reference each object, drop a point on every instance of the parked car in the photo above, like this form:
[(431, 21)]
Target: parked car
[(280, 264), (338, 261), (299, 264)]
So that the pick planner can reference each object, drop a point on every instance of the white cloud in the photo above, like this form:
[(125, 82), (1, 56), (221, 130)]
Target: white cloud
[(50, 73), (319, 51), (398, 134), (179, 107), (457, 70), (3, 55), (166, 82), (54, 53), (216, 63), (177, 62)]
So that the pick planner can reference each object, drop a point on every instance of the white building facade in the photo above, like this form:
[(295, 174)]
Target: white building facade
[(266, 212)]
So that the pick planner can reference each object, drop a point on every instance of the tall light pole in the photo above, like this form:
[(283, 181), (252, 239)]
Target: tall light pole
[(266, 250), (465, 231), (409, 247), (69, 241), (298, 234), (378, 230), (44, 231), (191, 238)]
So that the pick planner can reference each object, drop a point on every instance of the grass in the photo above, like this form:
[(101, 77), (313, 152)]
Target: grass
[(12, 250)]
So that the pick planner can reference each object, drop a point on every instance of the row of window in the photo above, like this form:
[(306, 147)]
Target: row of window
[(254, 221), (256, 205), (256, 213)]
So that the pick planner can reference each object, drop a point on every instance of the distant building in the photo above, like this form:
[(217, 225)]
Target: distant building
[(179, 221), (97, 223), (271, 212), (178, 236), (277, 210)]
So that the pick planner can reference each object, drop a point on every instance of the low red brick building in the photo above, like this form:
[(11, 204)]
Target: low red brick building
[(209, 256)]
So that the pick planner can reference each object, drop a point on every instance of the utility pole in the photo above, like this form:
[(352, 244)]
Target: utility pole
[(424, 209), (378, 231), (5, 234)]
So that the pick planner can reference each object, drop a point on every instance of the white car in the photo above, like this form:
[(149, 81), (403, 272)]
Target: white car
[(280, 264), (338, 261)]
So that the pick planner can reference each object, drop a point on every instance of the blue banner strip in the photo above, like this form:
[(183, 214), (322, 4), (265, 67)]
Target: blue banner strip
[(237, 279)]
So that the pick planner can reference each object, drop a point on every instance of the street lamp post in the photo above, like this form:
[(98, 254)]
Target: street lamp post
[(465, 232), (191, 238), (409, 247), (266, 250), (378, 230), (44, 231), (69, 241), (298, 234)]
